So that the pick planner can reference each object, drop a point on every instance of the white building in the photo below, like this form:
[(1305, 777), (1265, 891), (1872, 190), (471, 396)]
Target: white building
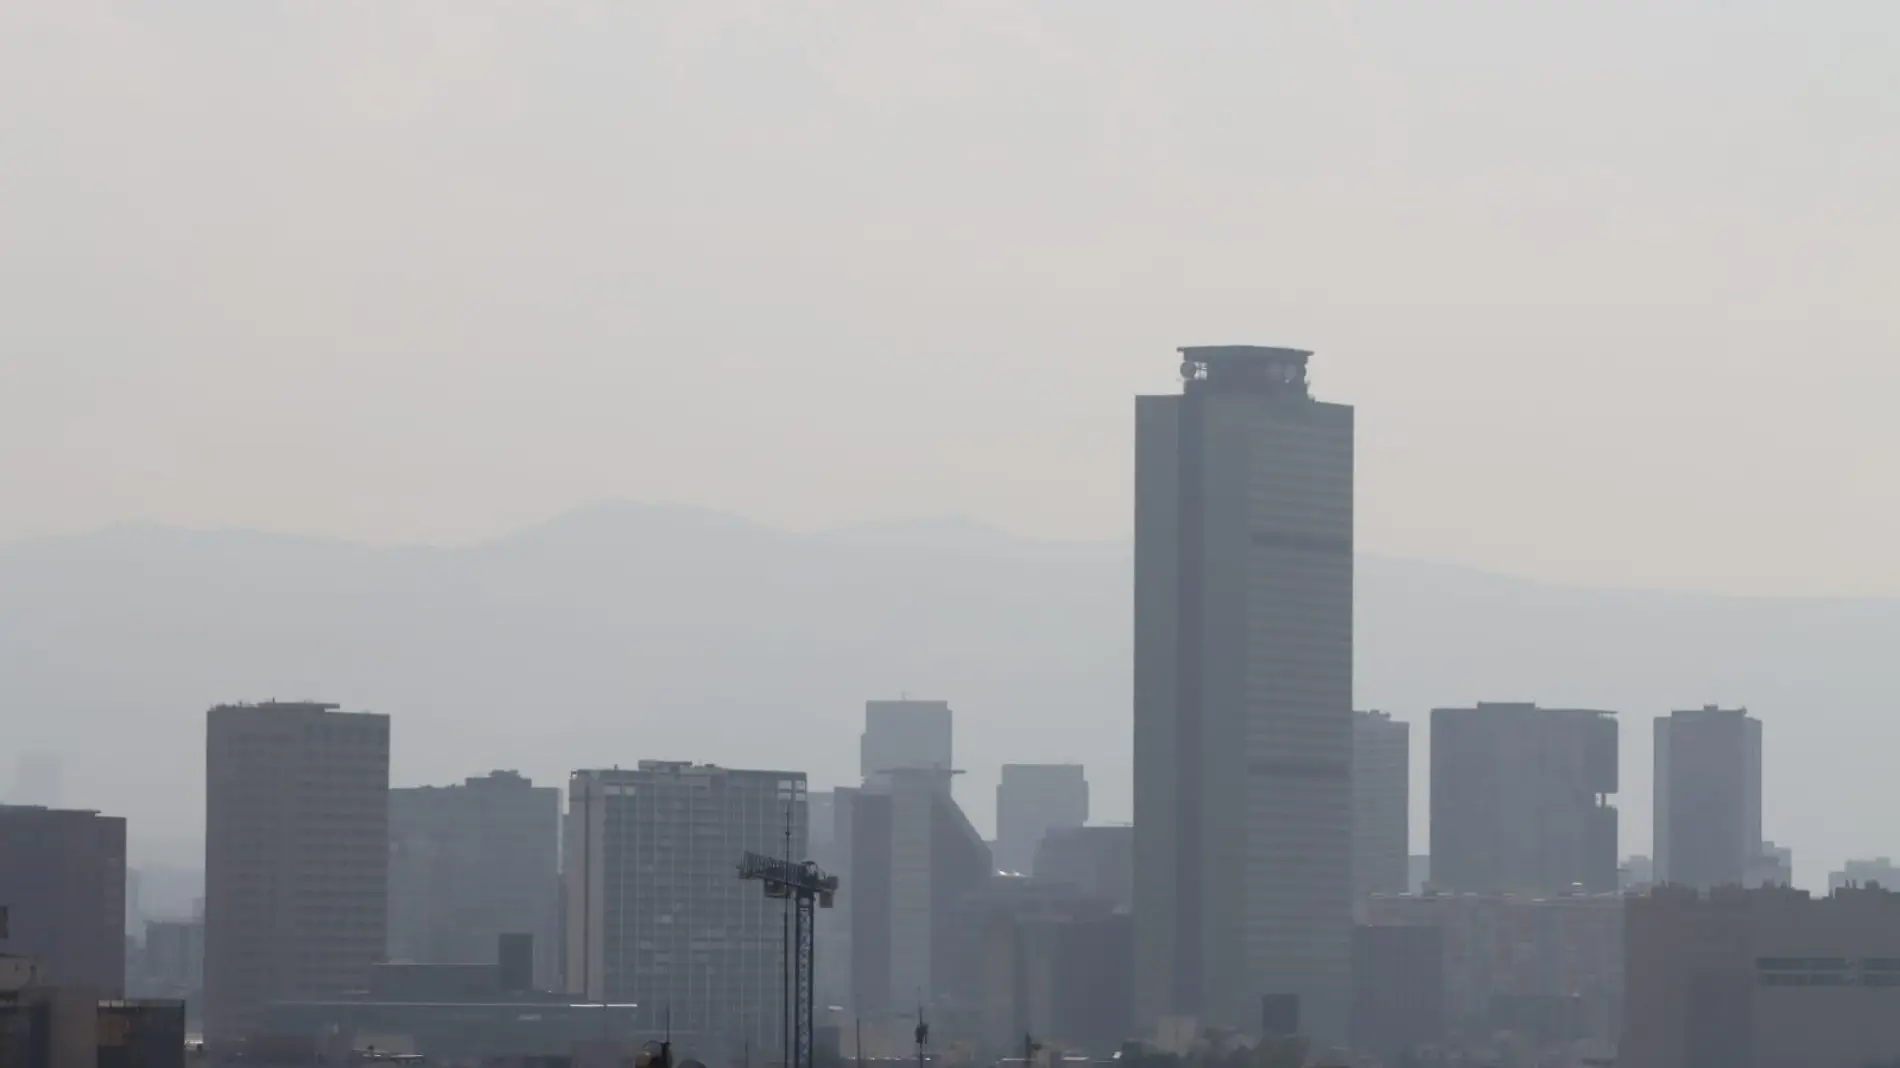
[(1381, 804), (656, 912), (1243, 696), (296, 856)]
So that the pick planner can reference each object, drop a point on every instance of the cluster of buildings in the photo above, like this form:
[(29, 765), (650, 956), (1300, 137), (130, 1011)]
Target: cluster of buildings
[(1265, 889)]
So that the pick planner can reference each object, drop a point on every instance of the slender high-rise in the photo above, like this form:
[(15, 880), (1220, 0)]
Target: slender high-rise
[(1031, 801), (1243, 697), (296, 857), (1708, 796), (1381, 804)]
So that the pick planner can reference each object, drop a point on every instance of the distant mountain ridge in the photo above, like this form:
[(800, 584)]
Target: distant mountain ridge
[(623, 631)]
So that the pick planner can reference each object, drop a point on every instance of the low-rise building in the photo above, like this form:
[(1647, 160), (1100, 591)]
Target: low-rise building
[(1762, 978)]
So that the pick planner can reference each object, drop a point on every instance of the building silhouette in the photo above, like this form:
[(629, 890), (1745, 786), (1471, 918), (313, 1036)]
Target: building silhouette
[(656, 914), (472, 862), (62, 886), (1707, 806), (296, 856), (1381, 804), (1243, 697), (1520, 799), (1031, 801)]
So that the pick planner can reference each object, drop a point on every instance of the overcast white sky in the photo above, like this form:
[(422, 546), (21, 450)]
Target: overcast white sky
[(1611, 284)]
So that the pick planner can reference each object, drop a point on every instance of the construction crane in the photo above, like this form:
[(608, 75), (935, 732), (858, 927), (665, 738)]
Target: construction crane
[(806, 887)]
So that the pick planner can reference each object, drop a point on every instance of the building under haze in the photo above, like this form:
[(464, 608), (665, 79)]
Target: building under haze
[(1381, 804), (1878, 871), (915, 858), (62, 884), (904, 734), (1520, 799), (1767, 978), (296, 856), (470, 863), (1031, 801), (656, 913), (1096, 861), (1243, 696), (1707, 807)]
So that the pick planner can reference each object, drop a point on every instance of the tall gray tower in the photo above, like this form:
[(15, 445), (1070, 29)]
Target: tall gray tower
[(1708, 796), (1243, 697)]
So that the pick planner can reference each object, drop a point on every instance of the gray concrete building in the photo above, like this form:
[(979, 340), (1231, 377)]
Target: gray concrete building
[(1381, 804), (62, 883), (1767, 978), (471, 862), (1520, 800), (1876, 871), (1707, 807), (1031, 801), (904, 733), (1098, 861), (296, 856), (1243, 696), (915, 857), (656, 913)]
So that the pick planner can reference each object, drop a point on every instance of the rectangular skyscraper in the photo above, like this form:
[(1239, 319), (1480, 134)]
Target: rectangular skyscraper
[(1243, 696), (296, 856), (470, 863), (1381, 795), (1520, 799), (62, 884), (904, 734), (1708, 796), (656, 912), (1031, 801)]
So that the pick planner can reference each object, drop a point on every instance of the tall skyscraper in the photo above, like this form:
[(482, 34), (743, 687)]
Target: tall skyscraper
[(1708, 796), (296, 856), (656, 912), (1031, 801), (1243, 696), (62, 883), (904, 734), (470, 863), (1520, 799), (1381, 803)]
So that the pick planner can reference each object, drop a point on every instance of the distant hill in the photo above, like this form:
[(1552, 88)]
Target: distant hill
[(621, 632)]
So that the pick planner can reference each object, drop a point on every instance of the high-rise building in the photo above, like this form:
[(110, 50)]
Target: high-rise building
[(1879, 871), (296, 856), (1381, 804), (1243, 697), (915, 857), (1031, 801), (1708, 796), (904, 734), (656, 913), (1520, 799), (470, 863), (62, 884)]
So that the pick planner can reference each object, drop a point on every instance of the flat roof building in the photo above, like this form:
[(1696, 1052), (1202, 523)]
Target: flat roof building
[(1381, 804), (1520, 800), (296, 857), (1765, 978), (1031, 801), (1707, 807), (62, 883)]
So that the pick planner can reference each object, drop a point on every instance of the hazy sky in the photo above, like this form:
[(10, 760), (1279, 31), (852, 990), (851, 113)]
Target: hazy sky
[(1611, 284)]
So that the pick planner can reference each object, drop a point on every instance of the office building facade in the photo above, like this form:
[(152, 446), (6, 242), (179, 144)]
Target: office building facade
[(656, 914), (296, 857), (1520, 800), (1243, 696), (62, 884), (1381, 804), (472, 862), (1707, 807), (1097, 861), (1031, 801)]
